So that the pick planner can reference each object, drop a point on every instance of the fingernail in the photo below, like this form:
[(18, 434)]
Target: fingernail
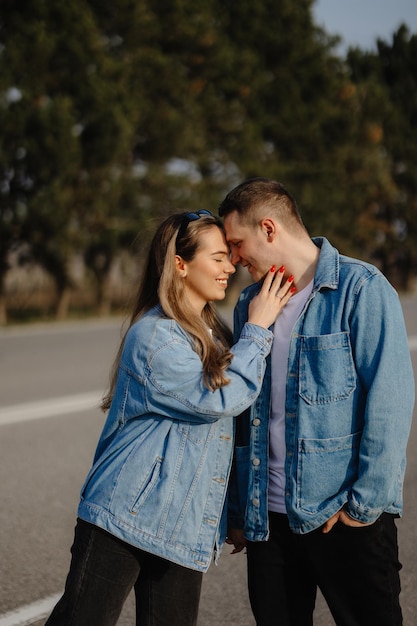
[(290, 278), (282, 269), (273, 268), (292, 289)]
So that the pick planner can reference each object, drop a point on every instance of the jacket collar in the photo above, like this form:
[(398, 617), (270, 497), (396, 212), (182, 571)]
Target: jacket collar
[(328, 267)]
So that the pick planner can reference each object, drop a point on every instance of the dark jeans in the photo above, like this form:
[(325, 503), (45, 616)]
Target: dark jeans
[(104, 570), (282, 590), (356, 569)]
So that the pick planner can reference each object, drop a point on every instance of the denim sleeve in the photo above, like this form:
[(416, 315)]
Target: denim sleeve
[(175, 385), (382, 359)]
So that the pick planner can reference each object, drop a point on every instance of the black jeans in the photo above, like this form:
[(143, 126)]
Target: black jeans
[(104, 570), (282, 590), (356, 569)]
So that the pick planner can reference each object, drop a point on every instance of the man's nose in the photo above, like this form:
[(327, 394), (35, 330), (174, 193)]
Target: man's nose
[(234, 257)]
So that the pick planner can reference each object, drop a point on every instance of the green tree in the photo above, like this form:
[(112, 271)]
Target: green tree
[(114, 114), (68, 133), (299, 100), (387, 82)]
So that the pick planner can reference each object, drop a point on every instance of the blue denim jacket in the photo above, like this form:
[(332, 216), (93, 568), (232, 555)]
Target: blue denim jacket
[(349, 403), (162, 463)]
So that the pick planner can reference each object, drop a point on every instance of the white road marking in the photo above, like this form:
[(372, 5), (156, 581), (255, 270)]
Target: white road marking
[(50, 408), (30, 613), (65, 405), (26, 615)]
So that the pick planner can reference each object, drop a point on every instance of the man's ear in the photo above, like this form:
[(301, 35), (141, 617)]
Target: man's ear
[(269, 228), (180, 266)]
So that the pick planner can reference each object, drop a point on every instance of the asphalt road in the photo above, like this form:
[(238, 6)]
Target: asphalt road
[(51, 379)]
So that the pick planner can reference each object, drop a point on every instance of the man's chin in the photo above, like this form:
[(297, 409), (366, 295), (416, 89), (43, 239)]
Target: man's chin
[(255, 275)]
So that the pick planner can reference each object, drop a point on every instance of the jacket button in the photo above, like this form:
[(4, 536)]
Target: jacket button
[(256, 462), (256, 421), (255, 502)]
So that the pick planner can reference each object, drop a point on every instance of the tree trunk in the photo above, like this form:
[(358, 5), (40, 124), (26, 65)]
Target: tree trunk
[(103, 296), (3, 310), (63, 302)]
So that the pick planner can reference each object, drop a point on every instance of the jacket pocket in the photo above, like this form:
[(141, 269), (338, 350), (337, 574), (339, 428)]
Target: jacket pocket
[(326, 469), (327, 372), (147, 486), (199, 434)]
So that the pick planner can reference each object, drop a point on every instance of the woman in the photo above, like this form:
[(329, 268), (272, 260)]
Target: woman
[(150, 515)]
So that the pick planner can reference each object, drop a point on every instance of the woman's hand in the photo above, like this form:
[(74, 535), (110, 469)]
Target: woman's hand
[(273, 296)]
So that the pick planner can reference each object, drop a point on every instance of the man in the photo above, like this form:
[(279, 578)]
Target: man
[(320, 460)]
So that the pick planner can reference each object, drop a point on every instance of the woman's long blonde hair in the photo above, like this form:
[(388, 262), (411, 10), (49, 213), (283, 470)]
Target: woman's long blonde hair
[(162, 284)]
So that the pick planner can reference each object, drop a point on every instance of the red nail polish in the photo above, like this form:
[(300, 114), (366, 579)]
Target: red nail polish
[(282, 269), (290, 278), (273, 268), (292, 289)]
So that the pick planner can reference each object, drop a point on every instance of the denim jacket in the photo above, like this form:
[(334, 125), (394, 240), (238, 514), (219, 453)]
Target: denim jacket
[(162, 463), (349, 403)]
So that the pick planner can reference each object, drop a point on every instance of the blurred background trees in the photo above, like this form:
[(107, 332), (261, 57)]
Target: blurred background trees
[(114, 114)]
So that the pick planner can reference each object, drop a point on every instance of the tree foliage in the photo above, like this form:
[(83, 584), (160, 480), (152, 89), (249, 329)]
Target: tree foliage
[(113, 114), (66, 131), (387, 83)]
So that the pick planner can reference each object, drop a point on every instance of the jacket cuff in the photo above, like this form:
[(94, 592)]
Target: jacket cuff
[(257, 333)]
